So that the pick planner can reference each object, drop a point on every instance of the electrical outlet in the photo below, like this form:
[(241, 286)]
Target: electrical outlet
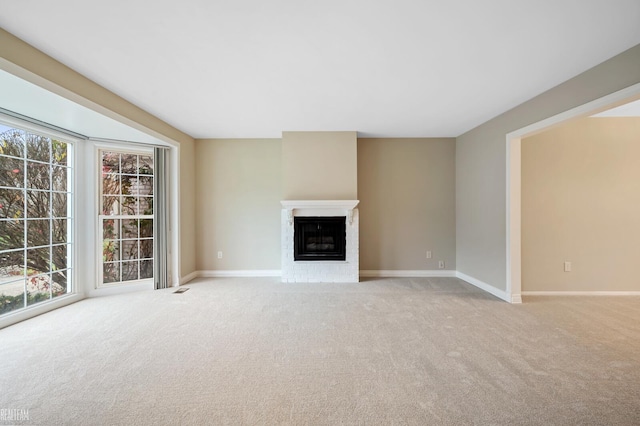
[(219, 255), (441, 264), (567, 266), (428, 254)]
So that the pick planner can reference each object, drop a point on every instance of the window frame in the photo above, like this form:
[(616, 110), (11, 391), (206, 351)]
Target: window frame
[(73, 292), (123, 148)]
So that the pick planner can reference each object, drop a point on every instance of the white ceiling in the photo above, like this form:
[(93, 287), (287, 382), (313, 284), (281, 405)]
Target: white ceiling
[(35, 102), (253, 68)]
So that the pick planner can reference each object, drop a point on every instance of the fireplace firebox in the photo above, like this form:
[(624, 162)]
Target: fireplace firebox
[(319, 238)]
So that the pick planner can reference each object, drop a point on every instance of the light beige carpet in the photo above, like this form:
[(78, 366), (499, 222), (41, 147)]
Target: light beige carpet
[(388, 351)]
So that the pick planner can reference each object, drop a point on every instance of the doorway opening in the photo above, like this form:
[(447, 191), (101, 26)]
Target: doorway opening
[(514, 184)]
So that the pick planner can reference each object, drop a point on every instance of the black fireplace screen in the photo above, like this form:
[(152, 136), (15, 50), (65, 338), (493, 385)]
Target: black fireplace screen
[(319, 238)]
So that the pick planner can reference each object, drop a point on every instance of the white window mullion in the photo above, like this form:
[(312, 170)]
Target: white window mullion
[(37, 218), (26, 221), (51, 216), (129, 259)]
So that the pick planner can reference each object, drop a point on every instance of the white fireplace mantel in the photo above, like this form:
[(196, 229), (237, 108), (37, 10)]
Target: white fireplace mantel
[(319, 208), (320, 204)]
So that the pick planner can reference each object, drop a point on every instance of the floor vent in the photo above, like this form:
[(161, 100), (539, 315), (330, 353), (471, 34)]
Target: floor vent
[(181, 290)]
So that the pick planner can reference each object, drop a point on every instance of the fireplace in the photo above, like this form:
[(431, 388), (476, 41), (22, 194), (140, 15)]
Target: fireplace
[(320, 241), (319, 238)]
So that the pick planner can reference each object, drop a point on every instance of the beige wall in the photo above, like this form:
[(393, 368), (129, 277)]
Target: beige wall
[(319, 166), (481, 164), (581, 203), (26, 62), (406, 189), (238, 193), (407, 203)]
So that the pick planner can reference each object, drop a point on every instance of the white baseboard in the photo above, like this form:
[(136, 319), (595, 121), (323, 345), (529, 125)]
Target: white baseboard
[(581, 293), (406, 273), (239, 273), (188, 277), (488, 288), (365, 274)]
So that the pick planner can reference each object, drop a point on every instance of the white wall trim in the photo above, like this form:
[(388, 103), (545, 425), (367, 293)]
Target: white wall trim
[(581, 293), (277, 273), (238, 273), (189, 277), (39, 309), (121, 288), (514, 172), (373, 273), (516, 299), (501, 294)]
